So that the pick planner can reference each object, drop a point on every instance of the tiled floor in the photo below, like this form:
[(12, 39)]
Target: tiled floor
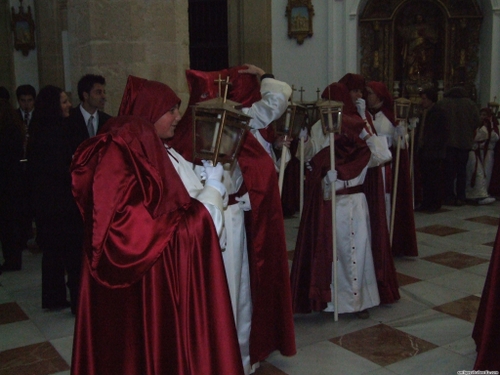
[(427, 332)]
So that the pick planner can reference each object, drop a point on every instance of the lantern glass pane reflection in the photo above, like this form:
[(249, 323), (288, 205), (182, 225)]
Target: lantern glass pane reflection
[(218, 134), (331, 116), (292, 121), (402, 108)]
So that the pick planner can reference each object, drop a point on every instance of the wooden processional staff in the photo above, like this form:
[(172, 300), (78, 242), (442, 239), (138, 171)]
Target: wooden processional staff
[(401, 110), (331, 119)]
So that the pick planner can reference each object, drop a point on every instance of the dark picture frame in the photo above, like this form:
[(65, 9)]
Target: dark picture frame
[(300, 14), (23, 28)]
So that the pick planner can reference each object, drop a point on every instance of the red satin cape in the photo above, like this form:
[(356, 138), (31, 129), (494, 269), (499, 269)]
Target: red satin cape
[(154, 297), (486, 331)]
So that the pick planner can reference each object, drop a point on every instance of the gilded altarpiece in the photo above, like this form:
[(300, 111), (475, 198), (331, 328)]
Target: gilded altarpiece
[(414, 44)]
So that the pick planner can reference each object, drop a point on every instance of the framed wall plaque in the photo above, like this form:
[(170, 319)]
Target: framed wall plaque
[(299, 14), (23, 28)]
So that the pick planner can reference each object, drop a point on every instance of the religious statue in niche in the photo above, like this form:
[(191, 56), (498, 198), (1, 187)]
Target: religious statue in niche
[(299, 13), (23, 27), (418, 49)]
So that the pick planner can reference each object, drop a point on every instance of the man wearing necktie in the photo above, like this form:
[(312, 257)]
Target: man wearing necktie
[(88, 117), (26, 95)]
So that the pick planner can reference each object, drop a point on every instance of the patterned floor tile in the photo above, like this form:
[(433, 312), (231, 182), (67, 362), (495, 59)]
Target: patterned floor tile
[(465, 308), (268, 369), (40, 359), (382, 344), (440, 230), (455, 260), (11, 312), (405, 279), (489, 220)]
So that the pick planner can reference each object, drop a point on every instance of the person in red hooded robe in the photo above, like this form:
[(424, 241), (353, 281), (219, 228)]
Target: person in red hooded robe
[(356, 149), (349, 91), (486, 332), (255, 255), (153, 298), (381, 108)]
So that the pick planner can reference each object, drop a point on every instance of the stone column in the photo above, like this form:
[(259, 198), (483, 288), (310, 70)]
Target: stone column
[(148, 39)]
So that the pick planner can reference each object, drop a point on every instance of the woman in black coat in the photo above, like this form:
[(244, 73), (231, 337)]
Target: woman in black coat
[(58, 221)]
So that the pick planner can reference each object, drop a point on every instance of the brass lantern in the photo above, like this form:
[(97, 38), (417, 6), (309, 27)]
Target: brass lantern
[(292, 121), (402, 109), (330, 112), (494, 106), (218, 130)]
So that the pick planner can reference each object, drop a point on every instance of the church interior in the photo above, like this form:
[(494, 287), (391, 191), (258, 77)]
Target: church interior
[(407, 44)]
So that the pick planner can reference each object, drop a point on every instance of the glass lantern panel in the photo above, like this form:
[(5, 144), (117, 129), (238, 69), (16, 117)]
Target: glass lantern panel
[(281, 125), (331, 121), (206, 131), (298, 121), (230, 143), (402, 111)]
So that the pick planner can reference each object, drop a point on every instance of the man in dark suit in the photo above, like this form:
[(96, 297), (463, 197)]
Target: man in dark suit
[(26, 95), (88, 117)]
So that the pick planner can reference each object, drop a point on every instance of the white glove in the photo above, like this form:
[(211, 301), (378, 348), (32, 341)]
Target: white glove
[(244, 202), (400, 131), (331, 176), (361, 107), (303, 134), (210, 172), (308, 166), (413, 123)]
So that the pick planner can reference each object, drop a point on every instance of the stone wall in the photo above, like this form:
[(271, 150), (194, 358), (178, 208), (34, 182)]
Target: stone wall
[(114, 38)]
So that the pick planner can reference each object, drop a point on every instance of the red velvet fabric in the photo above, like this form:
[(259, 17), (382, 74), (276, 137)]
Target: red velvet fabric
[(312, 262), (272, 318), (381, 90), (486, 331), (244, 89), (140, 93), (339, 92), (353, 81), (290, 193), (153, 297), (404, 239), (385, 269)]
